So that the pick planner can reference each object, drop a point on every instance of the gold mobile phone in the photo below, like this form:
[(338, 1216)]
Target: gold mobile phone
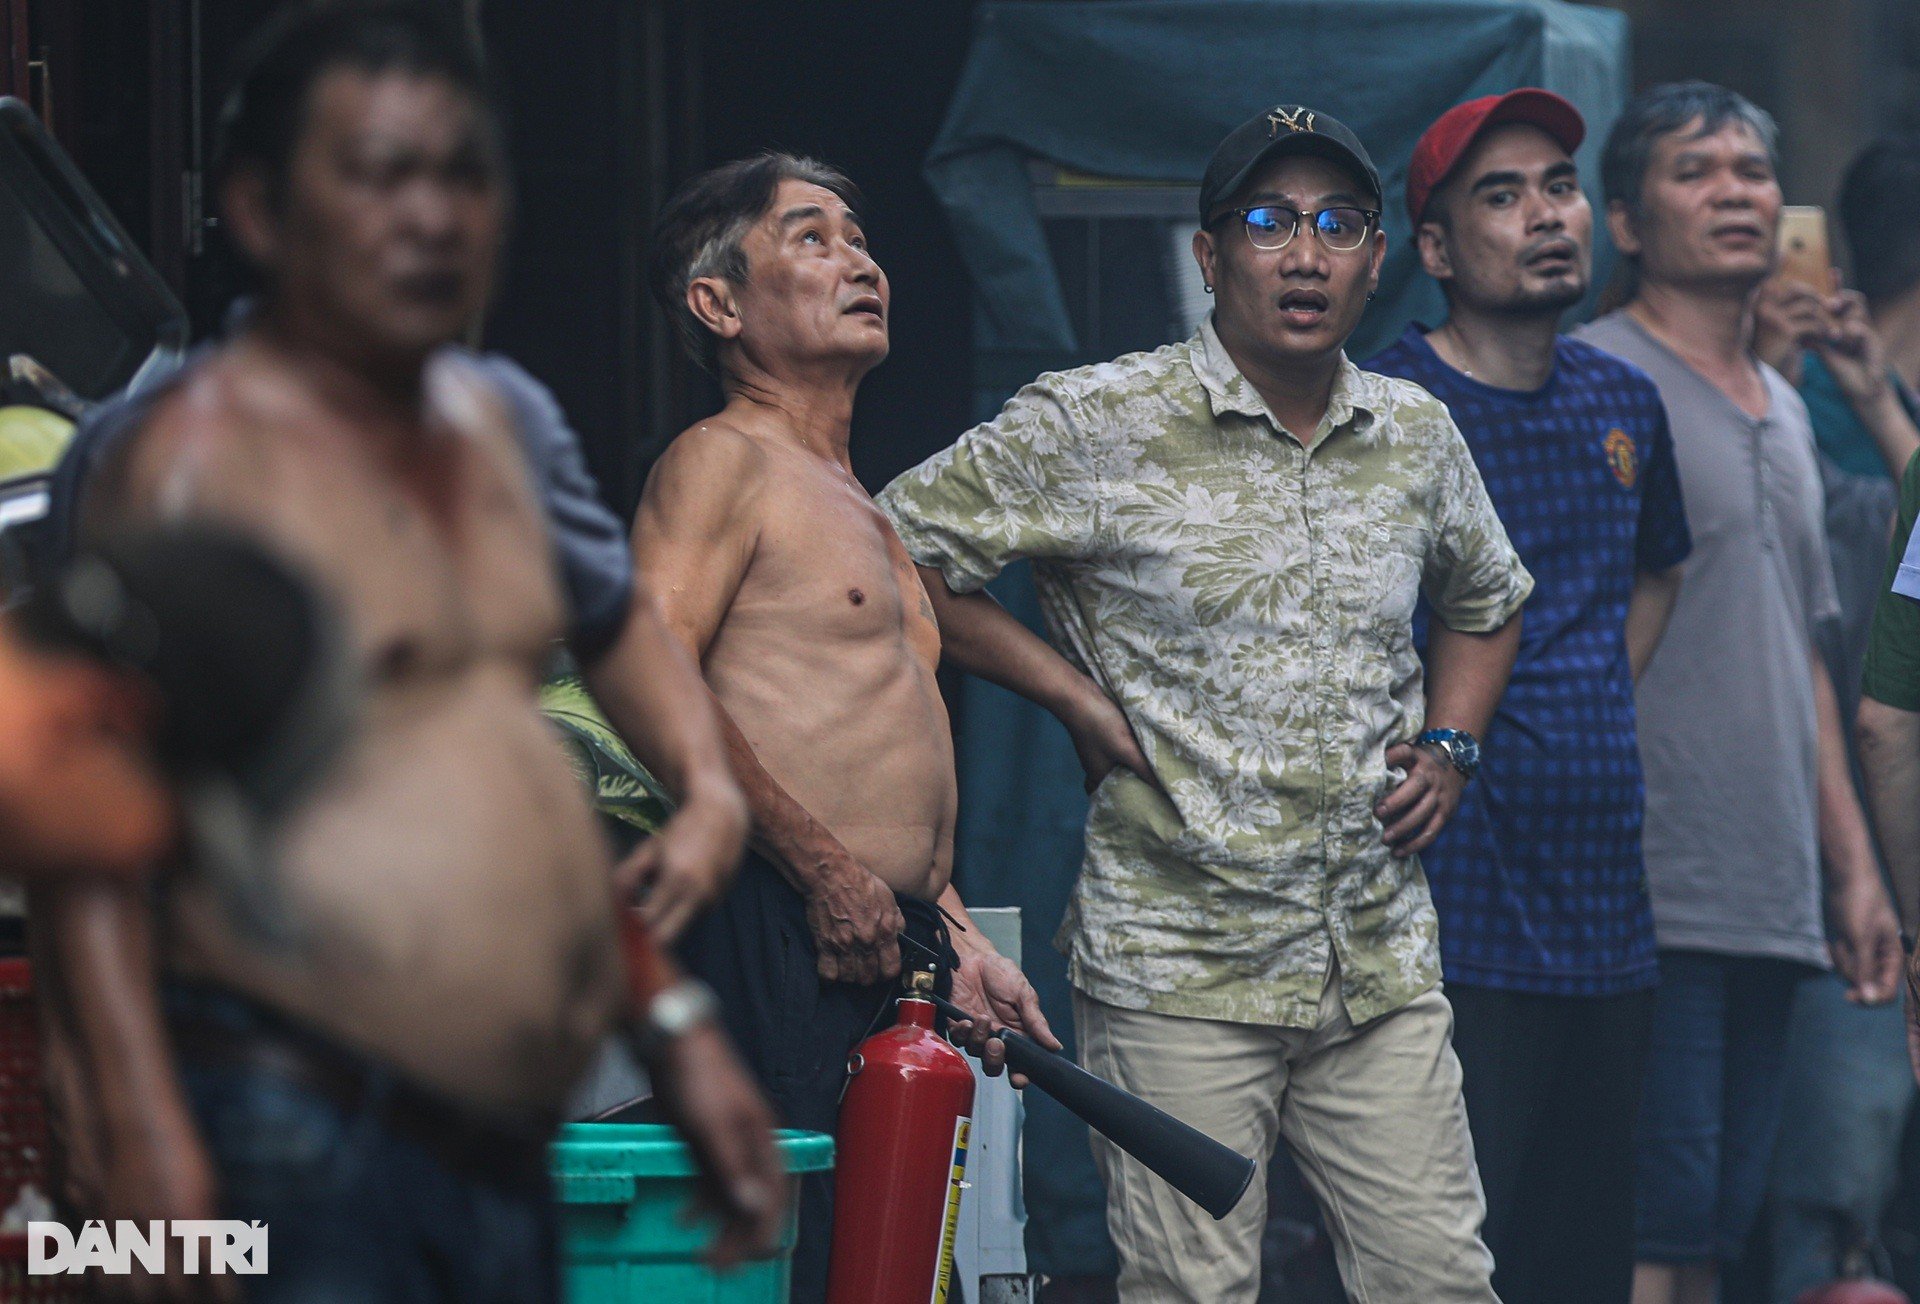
[(1804, 257)]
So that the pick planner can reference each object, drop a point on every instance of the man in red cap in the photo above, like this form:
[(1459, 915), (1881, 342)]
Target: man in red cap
[(1546, 935)]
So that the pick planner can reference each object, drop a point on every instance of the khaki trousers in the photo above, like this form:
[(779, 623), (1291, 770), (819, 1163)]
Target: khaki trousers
[(1373, 1114)]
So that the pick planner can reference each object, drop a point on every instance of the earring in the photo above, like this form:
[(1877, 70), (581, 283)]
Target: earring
[(1370, 296), (1209, 289)]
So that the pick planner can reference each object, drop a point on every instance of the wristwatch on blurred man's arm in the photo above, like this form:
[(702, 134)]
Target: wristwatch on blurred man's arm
[(665, 1002), (681, 1008)]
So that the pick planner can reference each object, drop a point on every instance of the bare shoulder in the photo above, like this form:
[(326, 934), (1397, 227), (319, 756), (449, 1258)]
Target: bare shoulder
[(714, 449), (712, 470), (202, 446), (471, 403)]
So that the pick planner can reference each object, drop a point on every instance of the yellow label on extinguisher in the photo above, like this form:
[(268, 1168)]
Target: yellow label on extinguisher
[(950, 1220)]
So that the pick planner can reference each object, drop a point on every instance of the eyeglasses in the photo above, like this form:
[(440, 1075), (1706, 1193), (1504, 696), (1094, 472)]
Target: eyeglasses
[(1272, 226)]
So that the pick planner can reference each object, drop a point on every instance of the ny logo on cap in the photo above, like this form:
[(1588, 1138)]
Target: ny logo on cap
[(1291, 121)]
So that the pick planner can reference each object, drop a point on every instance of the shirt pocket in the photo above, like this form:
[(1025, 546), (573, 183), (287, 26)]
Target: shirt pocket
[(1398, 556)]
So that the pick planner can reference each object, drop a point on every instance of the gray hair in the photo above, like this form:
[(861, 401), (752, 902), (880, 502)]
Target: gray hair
[(1660, 111), (701, 231)]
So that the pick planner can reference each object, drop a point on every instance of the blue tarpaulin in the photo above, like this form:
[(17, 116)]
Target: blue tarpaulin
[(1142, 90), (1145, 89)]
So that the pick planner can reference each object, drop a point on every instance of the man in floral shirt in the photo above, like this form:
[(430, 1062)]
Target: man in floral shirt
[(1228, 537)]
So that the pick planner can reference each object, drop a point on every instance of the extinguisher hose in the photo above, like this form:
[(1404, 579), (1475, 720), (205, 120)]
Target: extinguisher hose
[(1197, 1166)]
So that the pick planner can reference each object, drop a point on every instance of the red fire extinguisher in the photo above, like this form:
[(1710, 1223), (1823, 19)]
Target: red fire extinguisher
[(902, 1159)]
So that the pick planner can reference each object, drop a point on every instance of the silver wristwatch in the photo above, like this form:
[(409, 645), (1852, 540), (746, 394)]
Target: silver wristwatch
[(679, 1009)]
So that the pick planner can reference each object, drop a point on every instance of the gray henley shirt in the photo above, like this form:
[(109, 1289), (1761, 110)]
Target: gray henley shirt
[(1727, 732)]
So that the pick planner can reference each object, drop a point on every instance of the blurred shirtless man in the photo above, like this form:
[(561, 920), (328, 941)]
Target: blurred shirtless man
[(374, 1043), (818, 642)]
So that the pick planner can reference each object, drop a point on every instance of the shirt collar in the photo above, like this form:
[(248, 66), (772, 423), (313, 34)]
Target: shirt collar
[(1357, 398), (1356, 394)]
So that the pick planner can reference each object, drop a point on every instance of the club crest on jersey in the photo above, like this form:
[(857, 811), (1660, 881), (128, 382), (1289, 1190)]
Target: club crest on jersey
[(1622, 460)]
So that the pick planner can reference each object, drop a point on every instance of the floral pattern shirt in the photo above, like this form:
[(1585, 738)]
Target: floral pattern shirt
[(1246, 597)]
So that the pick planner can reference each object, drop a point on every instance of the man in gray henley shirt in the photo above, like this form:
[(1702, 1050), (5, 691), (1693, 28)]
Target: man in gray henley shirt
[(1748, 793)]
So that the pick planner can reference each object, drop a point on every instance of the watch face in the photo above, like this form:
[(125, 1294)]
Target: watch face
[(1469, 748)]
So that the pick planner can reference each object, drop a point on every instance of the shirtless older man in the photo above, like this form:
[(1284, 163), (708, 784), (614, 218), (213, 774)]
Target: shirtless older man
[(374, 1043), (818, 642)]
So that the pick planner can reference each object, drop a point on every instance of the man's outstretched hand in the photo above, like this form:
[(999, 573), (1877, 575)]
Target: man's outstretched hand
[(705, 1092), (987, 983)]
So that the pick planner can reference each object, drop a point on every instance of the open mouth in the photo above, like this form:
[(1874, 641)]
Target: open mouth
[(1739, 232), (1303, 307), (1554, 257), (870, 305)]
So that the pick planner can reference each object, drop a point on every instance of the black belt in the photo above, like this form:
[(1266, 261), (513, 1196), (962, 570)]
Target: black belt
[(484, 1149)]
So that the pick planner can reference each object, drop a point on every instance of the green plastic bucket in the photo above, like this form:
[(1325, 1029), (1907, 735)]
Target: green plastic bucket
[(622, 1188)]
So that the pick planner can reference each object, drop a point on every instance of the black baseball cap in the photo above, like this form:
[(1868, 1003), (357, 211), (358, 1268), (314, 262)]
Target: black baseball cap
[(1282, 130)]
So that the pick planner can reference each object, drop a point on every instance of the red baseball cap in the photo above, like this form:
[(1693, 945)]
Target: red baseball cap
[(1446, 142)]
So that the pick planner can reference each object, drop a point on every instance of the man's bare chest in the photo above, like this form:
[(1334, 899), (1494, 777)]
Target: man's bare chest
[(435, 561), (826, 561)]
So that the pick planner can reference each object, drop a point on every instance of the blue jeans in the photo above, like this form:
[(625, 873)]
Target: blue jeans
[(1709, 1116), (1848, 1091), (356, 1211)]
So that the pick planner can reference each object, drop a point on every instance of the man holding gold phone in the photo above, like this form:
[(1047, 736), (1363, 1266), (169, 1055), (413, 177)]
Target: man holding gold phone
[(1826, 339)]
